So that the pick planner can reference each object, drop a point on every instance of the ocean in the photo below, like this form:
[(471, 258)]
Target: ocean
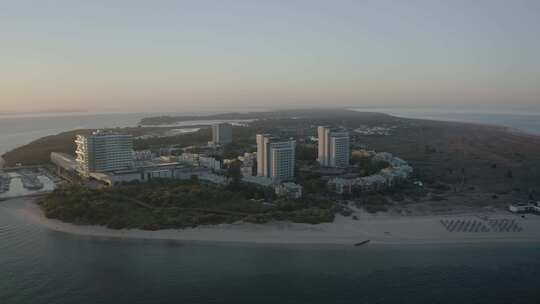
[(525, 122), (41, 266), (17, 130)]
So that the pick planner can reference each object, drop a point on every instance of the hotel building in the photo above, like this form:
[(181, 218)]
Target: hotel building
[(221, 134), (334, 147), (103, 152), (275, 158)]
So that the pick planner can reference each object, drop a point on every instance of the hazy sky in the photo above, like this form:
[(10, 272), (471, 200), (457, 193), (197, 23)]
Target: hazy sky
[(185, 55)]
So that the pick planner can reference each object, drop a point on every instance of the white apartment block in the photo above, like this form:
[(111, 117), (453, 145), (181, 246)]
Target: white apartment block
[(221, 134), (248, 162), (275, 158), (103, 152), (334, 147)]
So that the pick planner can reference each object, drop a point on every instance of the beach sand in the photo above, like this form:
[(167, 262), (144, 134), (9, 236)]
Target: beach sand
[(379, 229)]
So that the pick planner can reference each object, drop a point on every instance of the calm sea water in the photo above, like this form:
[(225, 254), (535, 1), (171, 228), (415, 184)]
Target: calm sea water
[(526, 122), (19, 130), (41, 266)]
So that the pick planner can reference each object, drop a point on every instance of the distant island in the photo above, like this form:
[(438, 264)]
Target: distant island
[(458, 167)]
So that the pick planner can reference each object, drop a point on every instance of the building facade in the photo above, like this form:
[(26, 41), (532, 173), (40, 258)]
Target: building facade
[(275, 158), (221, 134), (289, 189), (334, 147), (103, 152)]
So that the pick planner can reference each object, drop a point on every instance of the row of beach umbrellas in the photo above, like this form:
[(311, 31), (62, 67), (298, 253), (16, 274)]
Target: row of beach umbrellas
[(505, 225), (464, 226), (495, 225)]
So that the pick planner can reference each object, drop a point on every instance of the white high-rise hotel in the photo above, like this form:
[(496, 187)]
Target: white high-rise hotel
[(221, 134), (103, 152), (275, 158), (334, 148)]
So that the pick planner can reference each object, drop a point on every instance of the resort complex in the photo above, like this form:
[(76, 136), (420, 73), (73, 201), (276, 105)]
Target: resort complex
[(299, 166), (108, 157)]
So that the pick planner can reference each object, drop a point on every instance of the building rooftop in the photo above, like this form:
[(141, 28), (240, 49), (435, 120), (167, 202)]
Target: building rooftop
[(107, 133)]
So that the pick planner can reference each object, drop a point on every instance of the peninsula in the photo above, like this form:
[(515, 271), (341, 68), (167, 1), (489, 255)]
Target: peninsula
[(393, 168)]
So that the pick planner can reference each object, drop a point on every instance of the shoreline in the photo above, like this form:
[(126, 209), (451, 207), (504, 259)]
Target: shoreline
[(498, 125), (378, 229)]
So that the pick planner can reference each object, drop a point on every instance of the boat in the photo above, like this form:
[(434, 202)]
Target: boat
[(361, 243)]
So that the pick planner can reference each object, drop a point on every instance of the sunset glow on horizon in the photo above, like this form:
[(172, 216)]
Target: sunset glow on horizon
[(176, 55)]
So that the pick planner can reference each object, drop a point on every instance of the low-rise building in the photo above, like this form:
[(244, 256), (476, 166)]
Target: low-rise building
[(389, 158), (396, 173), (248, 164), (64, 161), (370, 183), (142, 155), (259, 180), (289, 189), (189, 158), (147, 171), (112, 178), (209, 162)]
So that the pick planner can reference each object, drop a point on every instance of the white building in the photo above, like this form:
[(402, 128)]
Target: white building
[(389, 158), (248, 158), (209, 162), (396, 173), (370, 183), (289, 189), (64, 161), (104, 152), (142, 155), (248, 163), (275, 158), (221, 134), (198, 160), (334, 147)]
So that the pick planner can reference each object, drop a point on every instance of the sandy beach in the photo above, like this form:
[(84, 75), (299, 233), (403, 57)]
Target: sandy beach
[(379, 229)]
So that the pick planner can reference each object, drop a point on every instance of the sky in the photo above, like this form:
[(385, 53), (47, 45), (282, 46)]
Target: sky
[(80, 55)]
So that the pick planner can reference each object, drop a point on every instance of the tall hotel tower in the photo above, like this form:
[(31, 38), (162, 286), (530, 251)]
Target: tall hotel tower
[(221, 134), (334, 148), (104, 152), (275, 158)]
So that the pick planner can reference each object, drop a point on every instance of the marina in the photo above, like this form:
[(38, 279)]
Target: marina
[(25, 182)]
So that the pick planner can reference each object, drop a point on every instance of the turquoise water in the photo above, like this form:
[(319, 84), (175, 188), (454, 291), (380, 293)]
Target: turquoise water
[(41, 266)]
